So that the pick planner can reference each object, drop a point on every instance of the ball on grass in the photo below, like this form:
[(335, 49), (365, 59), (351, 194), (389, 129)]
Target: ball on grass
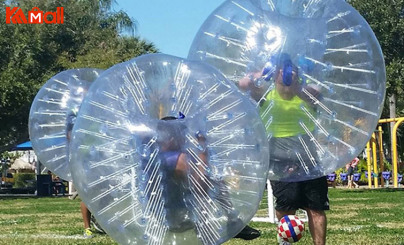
[(290, 228)]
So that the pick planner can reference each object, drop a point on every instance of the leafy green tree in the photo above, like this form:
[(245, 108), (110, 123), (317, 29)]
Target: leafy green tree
[(92, 36), (386, 17)]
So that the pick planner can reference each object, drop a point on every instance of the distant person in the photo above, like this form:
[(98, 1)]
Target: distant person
[(58, 186), (350, 167)]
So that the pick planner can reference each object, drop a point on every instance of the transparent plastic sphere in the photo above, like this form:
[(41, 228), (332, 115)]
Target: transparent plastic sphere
[(315, 70), (169, 152), (52, 116)]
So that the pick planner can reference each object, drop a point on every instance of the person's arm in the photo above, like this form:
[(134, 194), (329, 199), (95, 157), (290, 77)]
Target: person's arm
[(355, 162), (201, 161), (69, 125), (68, 135), (308, 94), (248, 83), (182, 167)]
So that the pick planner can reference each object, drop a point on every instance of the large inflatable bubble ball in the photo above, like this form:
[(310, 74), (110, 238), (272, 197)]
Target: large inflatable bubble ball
[(52, 116), (315, 70), (167, 151)]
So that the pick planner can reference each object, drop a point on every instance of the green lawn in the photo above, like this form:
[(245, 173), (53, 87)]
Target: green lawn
[(357, 217)]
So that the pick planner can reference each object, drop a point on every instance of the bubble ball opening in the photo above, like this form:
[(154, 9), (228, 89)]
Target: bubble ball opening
[(52, 115), (197, 177), (315, 70)]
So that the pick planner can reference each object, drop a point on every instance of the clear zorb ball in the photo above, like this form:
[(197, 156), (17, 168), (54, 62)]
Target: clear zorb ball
[(167, 151), (52, 115), (315, 70)]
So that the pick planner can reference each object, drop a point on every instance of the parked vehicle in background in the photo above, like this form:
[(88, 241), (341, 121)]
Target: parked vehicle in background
[(7, 181)]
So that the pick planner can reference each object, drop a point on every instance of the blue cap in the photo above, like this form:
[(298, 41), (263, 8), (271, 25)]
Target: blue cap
[(285, 62)]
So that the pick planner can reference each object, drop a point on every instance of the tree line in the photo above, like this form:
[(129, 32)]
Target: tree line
[(93, 35)]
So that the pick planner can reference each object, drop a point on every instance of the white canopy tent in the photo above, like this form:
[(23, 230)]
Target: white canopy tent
[(20, 164)]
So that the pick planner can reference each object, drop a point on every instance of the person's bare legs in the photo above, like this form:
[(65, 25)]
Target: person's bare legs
[(86, 215), (280, 214), (317, 226), (349, 182)]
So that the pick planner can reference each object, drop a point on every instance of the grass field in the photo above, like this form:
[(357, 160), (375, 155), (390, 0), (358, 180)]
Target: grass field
[(360, 216)]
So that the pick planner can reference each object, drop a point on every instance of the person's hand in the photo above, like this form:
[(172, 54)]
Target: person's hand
[(247, 82), (200, 136), (312, 91), (201, 141), (310, 94)]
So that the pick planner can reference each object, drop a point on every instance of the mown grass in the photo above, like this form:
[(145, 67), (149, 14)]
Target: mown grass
[(361, 216)]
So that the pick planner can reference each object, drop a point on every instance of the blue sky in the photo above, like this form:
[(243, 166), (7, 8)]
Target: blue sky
[(170, 24)]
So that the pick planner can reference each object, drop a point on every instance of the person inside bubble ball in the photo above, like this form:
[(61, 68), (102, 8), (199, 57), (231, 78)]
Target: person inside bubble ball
[(176, 168), (85, 213), (290, 102)]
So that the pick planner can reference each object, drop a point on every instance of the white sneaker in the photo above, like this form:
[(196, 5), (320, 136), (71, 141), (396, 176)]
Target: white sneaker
[(74, 195), (87, 233), (281, 241)]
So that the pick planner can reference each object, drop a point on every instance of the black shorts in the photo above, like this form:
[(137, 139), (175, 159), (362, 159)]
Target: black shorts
[(350, 170), (311, 194), (289, 159)]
